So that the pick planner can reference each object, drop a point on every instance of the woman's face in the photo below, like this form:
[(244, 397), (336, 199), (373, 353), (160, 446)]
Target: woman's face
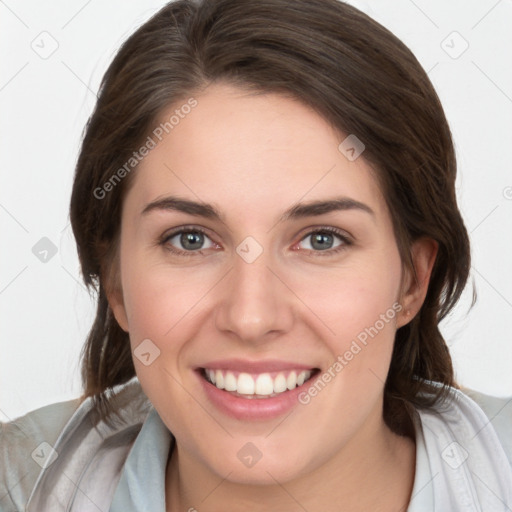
[(255, 254)]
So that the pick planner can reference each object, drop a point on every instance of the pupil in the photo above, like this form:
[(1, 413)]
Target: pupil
[(191, 240), (323, 240)]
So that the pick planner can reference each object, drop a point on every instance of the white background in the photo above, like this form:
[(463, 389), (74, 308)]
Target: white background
[(45, 311)]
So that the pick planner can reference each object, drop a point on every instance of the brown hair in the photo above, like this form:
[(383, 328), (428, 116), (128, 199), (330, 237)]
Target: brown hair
[(330, 56)]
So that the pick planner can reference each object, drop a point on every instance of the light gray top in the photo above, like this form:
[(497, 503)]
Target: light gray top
[(55, 459)]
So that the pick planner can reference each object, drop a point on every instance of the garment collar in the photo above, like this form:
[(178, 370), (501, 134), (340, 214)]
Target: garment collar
[(460, 463)]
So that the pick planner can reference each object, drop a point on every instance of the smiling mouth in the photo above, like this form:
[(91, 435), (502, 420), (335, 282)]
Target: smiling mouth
[(261, 385)]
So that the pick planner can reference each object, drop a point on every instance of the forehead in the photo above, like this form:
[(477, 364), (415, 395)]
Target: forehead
[(246, 152)]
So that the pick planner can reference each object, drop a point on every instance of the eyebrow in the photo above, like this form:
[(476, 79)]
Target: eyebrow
[(298, 211)]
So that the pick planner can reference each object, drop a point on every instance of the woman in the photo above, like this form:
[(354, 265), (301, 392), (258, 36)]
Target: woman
[(265, 202)]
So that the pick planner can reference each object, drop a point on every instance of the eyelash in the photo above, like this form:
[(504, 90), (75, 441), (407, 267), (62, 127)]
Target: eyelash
[(346, 242)]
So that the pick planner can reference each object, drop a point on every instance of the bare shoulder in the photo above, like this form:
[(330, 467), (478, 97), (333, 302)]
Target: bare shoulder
[(26, 445)]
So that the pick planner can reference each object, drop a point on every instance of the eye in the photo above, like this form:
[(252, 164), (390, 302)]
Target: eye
[(187, 240), (326, 240), (190, 241)]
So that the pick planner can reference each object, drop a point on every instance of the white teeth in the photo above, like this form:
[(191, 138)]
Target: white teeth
[(219, 379), (291, 381), (280, 383), (263, 385), (245, 384), (303, 377), (230, 383)]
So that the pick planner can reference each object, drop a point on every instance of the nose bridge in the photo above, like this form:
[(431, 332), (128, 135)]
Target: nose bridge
[(254, 301)]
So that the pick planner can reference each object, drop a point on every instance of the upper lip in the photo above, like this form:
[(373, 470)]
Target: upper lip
[(247, 366)]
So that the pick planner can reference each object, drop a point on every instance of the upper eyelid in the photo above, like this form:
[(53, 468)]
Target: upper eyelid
[(171, 233)]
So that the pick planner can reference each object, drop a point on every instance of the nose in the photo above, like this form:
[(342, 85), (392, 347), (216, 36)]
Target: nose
[(255, 304)]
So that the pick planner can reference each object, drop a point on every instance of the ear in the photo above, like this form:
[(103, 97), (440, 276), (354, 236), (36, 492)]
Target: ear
[(414, 287), (114, 293), (116, 302)]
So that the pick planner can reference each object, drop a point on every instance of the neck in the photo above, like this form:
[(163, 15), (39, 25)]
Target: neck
[(374, 471)]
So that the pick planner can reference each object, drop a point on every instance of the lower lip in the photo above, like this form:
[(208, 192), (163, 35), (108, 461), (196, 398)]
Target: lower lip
[(252, 408)]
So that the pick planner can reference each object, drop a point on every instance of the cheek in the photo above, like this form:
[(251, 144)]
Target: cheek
[(351, 300), (359, 308), (156, 299), (162, 303)]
